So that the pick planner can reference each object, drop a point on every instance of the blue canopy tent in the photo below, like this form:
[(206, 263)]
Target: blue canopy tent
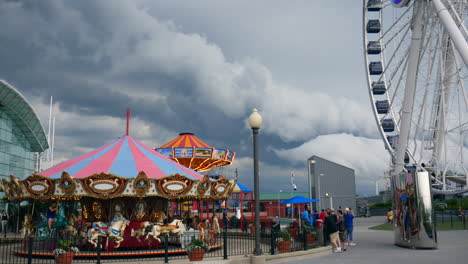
[(298, 199)]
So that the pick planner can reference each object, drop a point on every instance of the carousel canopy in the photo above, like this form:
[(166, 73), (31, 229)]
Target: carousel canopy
[(188, 150), (123, 168), (125, 157), (238, 188)]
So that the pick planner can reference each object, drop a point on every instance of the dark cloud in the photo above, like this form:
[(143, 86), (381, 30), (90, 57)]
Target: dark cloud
[(181, 66)]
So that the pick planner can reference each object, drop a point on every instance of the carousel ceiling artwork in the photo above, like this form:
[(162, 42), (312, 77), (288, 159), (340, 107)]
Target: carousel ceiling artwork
[(188, 150), (123, 168)]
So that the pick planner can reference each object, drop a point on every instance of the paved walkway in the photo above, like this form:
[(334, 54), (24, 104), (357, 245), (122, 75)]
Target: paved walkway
[(377, 247)]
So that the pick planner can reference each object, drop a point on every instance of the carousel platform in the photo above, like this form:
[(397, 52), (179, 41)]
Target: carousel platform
[(122, 253)]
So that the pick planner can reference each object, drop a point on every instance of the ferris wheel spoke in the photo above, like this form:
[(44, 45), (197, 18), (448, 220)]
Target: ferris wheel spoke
[(456, 16), (397, 20), (405, 26)]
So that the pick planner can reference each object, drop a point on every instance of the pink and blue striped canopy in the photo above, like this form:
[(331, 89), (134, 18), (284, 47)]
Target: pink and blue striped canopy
[(125, 157)]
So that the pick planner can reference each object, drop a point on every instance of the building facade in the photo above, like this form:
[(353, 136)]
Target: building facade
[(332, 183), (270, 204), (21, 134)]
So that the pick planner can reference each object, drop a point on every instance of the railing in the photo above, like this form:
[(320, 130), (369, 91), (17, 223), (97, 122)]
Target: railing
[(14, 249), (450, 219)]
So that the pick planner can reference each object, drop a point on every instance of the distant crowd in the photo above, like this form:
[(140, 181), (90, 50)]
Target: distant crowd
[(337, 226)]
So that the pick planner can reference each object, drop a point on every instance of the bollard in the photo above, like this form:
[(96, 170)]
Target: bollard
[(30, 249), (225, 243), (98, 249), (451, 220), (304, 238), (166, 248), (464, 221)]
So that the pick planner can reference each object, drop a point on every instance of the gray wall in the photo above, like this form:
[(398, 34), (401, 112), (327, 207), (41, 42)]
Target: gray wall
[(336, 180)]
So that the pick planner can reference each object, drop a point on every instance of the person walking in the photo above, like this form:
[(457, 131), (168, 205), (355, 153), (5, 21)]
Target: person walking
[(332, 230), (349, 224), (390, 216), (4, 218), (342, 230)]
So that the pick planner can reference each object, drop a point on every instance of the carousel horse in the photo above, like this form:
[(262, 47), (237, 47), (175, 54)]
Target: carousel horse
[(158, 217), (28, 228), (216, 228), (145, 228), (201, 226), (83, 234), (175, 227), (70, 227), (115, 231)]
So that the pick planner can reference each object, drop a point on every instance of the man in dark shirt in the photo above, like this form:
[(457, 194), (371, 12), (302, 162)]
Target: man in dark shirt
[(332, 230)]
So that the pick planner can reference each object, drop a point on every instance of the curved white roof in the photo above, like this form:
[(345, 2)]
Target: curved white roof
[(18, 108)]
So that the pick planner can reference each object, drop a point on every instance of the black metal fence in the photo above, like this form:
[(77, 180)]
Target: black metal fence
[(451, 219), (14, 249)]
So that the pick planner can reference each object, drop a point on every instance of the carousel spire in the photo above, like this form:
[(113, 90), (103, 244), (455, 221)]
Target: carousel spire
[(128, 121)]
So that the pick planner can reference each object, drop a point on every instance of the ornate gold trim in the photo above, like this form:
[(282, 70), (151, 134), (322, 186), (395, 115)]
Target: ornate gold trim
[(141, 184), (219, 188), (110, 185), (67, 183), (174, 185), (12, 188), (203, 185), (46, 185)]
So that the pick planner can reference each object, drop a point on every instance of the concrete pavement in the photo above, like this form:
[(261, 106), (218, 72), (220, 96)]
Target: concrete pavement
[(377, 247)]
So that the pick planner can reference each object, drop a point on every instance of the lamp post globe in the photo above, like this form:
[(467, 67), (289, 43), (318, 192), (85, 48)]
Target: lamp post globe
[(255, 119), (255, 122)]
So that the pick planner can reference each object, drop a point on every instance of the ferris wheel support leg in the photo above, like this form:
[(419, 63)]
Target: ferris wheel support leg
[(410, 88), (414, 226), (452, 29)]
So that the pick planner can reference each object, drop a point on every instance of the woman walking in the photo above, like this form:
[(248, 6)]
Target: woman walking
[(349, 223), (4, 218)]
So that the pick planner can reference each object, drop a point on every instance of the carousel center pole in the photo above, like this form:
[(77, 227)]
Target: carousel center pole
[(128, 122)]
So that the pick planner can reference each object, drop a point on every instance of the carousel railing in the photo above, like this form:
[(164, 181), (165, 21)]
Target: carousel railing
[(229, 242)]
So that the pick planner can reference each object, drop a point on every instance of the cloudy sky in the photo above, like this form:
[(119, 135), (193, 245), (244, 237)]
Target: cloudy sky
[(200, 66)]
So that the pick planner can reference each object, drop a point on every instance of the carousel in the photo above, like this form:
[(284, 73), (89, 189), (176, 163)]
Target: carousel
[(120, 195), (190, 151)]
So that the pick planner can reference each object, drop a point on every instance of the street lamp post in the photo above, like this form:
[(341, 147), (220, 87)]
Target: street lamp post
[(328, 195), (279, 198), (319, 190), (309, 181), (255, 122)]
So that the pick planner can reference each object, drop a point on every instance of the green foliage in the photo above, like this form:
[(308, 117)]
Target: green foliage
[(453, 204), (284, 236), (456, 225), (385, 227), (381, 205), (310, 229), (234, 222), (196, 244), (65, 244)]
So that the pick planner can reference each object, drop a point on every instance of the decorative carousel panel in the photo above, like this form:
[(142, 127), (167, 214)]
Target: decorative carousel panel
[(220, 187), (67, 183), (12, 188), (203, 185), (38, 185), (104, 185), (175, 185), (141, 184), (140, 211)]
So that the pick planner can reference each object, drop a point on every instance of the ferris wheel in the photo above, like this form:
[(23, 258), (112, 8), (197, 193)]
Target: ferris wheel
[(416, 57)]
